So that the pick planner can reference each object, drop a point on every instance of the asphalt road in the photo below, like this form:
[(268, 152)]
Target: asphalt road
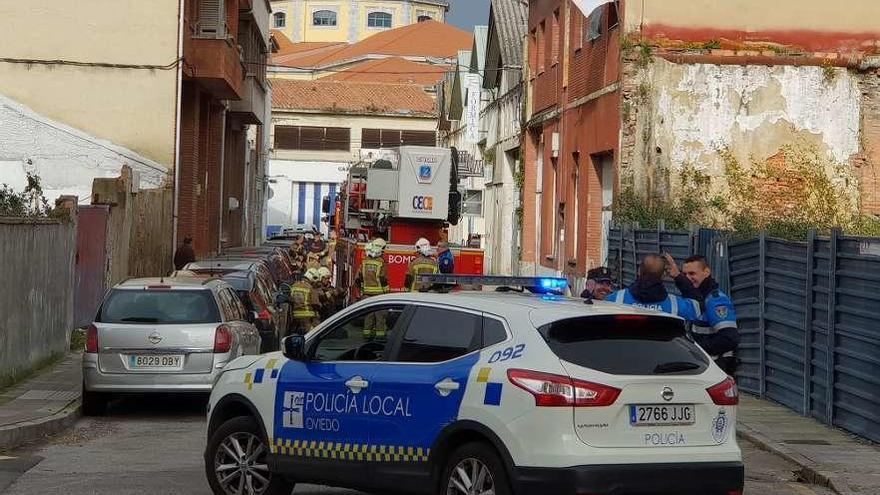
[(154, 446)]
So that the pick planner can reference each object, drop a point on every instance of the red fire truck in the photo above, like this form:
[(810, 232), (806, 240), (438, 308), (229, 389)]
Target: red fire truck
[(399, 195)]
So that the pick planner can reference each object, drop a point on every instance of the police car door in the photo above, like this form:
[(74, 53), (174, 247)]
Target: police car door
[(322, 410), (419, 391)]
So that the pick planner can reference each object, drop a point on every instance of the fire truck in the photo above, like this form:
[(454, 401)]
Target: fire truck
[(399, 195)]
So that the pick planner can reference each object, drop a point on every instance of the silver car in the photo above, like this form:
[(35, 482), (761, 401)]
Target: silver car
[(164, 335)]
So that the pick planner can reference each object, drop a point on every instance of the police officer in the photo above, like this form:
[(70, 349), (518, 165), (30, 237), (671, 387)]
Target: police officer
[(716, 332), (372, 280), (305, 302), (445, 258), (600, 283), (649, 292), (422, 264)]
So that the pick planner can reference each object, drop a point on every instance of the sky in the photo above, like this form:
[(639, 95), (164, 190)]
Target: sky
[(469, 13)]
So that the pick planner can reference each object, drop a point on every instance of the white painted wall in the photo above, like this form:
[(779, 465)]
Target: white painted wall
[(283, 173), (66, 159)]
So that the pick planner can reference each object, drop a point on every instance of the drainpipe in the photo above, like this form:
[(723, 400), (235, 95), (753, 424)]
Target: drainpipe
[(177, 123), (223, 206)]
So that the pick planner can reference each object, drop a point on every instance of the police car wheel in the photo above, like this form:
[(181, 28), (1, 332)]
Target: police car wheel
[(236, 461), (475, 469)]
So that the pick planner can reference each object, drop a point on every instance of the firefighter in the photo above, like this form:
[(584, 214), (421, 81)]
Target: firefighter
[(313, 261), (306, 302), (422, 264), (372, 280), (318, 245), (297, 255), (330, 296)]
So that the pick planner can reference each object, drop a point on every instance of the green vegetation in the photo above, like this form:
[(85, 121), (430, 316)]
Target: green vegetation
[(28, 203), (797, 191)]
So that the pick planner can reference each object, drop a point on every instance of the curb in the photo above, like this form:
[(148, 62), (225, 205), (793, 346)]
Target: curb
[(808, 470), (15, 435)]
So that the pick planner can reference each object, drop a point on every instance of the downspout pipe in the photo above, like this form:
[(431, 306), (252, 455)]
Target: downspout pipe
[(178, 124)]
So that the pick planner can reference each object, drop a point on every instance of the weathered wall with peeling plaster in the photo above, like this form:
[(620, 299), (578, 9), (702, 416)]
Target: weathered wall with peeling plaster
[(684, 114), (66, 159)]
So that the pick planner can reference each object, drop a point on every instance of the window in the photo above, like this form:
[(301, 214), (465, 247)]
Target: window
[(423, 18), (435, 335), (324, 18), (424, 15), (648, 346), (473, 202), (312, 138), (554, 39), (212, 19), (542, 46), (355, 339), (389, 138), (493, 332), (162, 307), (279, 19), (379, 20)]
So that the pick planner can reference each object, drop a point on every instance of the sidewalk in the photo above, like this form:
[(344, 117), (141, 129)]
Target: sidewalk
[(826, 456), (43, 405)]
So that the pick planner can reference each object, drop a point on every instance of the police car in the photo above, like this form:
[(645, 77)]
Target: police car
[(480, 393)]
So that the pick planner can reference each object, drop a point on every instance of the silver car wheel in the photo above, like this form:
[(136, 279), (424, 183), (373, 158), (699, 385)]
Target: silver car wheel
[(240, 465), (471, 477)]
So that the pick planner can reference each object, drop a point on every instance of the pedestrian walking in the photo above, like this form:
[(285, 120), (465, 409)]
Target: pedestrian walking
[(185, 254)]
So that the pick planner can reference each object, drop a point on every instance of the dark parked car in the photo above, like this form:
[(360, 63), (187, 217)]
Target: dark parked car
[(270, 316)]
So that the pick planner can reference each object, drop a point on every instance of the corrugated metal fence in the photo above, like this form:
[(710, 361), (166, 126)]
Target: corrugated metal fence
[(808, 314)]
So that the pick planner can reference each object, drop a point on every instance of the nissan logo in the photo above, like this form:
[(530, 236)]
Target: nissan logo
[(667, 394), (155, 338)]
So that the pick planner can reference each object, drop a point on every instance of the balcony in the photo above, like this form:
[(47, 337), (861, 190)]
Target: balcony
[(212, 57), (251, 108)]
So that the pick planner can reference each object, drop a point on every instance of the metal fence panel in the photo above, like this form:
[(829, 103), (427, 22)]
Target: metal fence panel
[(745, 291)]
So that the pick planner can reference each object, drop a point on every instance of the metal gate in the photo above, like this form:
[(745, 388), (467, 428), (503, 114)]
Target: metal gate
[(91, 262)]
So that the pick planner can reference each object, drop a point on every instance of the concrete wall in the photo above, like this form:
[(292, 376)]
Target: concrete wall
[(130, 107), (36, 299), (65, 158), (686, 114), (811, 24)]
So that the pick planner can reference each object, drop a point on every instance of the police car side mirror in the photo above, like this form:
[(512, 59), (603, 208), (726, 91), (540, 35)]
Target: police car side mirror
[(294, 347)]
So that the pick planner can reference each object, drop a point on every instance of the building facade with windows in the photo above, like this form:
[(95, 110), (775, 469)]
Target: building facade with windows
[(350, 20), (321, 127), (175, 96)]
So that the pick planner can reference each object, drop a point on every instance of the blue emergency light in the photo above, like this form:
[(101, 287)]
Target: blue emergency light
[(540, 285)]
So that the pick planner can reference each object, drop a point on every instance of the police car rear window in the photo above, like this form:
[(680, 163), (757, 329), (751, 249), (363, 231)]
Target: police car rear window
[(626, 345), (161, 307)]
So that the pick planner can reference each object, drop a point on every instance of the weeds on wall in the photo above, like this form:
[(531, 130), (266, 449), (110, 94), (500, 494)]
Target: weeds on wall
[(28, 203), (798, 190)]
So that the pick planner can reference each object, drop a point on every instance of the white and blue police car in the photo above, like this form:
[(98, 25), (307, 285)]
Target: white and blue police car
[(479, 393)]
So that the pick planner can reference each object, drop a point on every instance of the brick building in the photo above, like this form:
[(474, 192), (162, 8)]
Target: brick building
[(572, 137), (629, 98), (224, 104)]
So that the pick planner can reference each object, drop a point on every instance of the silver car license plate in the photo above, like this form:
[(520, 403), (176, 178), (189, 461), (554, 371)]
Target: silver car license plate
[(662, 415), (155, 362)]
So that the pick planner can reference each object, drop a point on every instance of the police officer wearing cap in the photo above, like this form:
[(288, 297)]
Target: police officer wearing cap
[(600, 284), (716, 332)]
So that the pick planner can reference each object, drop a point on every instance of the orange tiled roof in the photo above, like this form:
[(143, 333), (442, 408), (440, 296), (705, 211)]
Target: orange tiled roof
[(422, 39), (352, 97), (393, 70)]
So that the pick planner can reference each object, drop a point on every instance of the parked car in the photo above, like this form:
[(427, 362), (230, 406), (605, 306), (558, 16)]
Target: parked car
[(279, 265), (164, 335), (270, 315), (219, 268)]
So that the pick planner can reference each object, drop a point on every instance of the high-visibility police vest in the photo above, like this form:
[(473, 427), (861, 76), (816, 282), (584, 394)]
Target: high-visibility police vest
[(422, 266), (371, 274), (674, 305), (301, 299)]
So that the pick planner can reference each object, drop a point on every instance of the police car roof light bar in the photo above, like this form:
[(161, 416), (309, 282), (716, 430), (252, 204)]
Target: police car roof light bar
[(540, 285)]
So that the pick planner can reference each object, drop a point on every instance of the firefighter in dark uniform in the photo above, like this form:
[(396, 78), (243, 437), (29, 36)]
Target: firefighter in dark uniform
[(305, 302), (422, 264)]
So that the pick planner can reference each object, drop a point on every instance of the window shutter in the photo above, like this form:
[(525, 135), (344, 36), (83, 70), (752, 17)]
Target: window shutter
[(212, 18)]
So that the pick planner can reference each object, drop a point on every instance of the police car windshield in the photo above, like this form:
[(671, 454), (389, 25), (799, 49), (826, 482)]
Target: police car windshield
[(626, 345)]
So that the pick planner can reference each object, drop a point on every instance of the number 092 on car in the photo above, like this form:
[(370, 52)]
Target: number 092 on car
[(661, 415)]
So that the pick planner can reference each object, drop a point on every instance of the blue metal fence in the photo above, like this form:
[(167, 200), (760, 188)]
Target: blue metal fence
[(808, 315)]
